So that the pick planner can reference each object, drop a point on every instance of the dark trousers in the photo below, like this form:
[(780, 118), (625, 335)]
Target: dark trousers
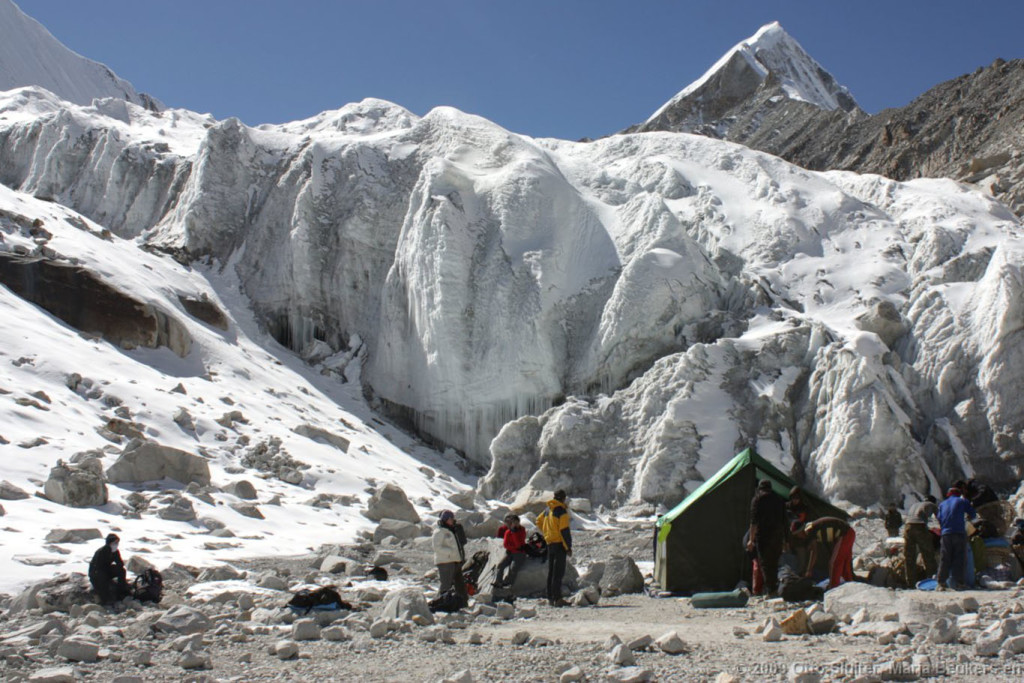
[(109, 590), (513, 560), (953, 558), (556, 570), (769, 550), (917, 541), (450, 576)]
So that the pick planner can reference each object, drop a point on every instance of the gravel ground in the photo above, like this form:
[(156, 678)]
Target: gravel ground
[(538, 642)]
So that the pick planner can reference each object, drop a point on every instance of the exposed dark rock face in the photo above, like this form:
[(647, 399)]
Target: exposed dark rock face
[(83, 301), (970, 129)]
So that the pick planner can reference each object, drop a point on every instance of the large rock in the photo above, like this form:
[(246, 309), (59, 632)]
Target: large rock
[(76, 485), (182, 619), (242, 488), (532, 579), (620, 576), (149, 461), (63, 592), (79, 649), (390, 502), (9, 491), (405, 603), (177, 508), (59, 593), (73, 535), (395, 528), (912, 606), (62, 674)]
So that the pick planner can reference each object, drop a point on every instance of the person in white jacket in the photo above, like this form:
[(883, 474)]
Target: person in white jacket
[(449, 541)]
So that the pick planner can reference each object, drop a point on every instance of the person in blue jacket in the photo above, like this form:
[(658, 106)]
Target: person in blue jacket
[(953, 513)]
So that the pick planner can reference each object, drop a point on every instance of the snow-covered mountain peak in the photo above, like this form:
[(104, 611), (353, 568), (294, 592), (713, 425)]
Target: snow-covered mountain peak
[(30, 55), (370, 116), (770, 53)]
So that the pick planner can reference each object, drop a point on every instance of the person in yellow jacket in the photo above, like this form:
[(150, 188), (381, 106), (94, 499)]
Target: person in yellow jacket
[(554, 524)]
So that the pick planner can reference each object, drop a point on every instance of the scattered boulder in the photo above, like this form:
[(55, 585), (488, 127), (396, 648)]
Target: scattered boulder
[(464, 499), (305, 629), (76, 485), (405, 603), (9, 491), (223, 572), (390, 502), (286, 649), (796, 623), (242, 488), (532, 579), (670, 643), (247, 510), (588, 596), (190, 659), (621, 576), (290, 475), (63, 592), (943, 631), (177, 508), (395, 528), (621, 655), (149, 461), (182, 619), (79, 649), (73, 535), (336, 564), (323, 436), (63, 674)]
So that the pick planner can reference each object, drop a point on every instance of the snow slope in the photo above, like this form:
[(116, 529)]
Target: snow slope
[(30, 55), (46, 414)]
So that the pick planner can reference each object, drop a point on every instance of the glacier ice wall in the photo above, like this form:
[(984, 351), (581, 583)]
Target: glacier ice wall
[(623, 314)]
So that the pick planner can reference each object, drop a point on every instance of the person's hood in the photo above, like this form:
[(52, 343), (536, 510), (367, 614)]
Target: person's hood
[(555, 504)]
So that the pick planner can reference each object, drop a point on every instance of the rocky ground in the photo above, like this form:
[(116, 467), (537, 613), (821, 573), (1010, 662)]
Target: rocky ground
[(231, 624)]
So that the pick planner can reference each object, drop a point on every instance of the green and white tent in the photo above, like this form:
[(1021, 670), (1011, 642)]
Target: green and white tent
[(699, 543)]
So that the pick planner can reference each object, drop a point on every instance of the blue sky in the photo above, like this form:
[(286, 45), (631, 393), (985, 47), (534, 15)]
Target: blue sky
[(559, 68)]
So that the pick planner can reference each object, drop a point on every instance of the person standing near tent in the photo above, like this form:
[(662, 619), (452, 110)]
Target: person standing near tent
[(917, 540), (953, 548), (830, 550), (893, 521), (554, 523), (767, 532)]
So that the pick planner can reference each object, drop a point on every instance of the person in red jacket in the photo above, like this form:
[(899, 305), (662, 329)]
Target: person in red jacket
[(513, 537)]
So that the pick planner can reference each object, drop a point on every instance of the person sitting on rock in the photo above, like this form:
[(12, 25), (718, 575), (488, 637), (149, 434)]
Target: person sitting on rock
[(107, 573), (513, 537), (449, 541)]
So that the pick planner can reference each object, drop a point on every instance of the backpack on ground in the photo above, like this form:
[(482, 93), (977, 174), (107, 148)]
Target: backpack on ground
[(322, 598), (799, 589), (449, 601), (148, 586)]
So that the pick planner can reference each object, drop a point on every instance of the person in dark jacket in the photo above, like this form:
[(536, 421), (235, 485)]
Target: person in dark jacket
[(107, 574), (893, 521), (767, 532), (513, 537), (554, 523)]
